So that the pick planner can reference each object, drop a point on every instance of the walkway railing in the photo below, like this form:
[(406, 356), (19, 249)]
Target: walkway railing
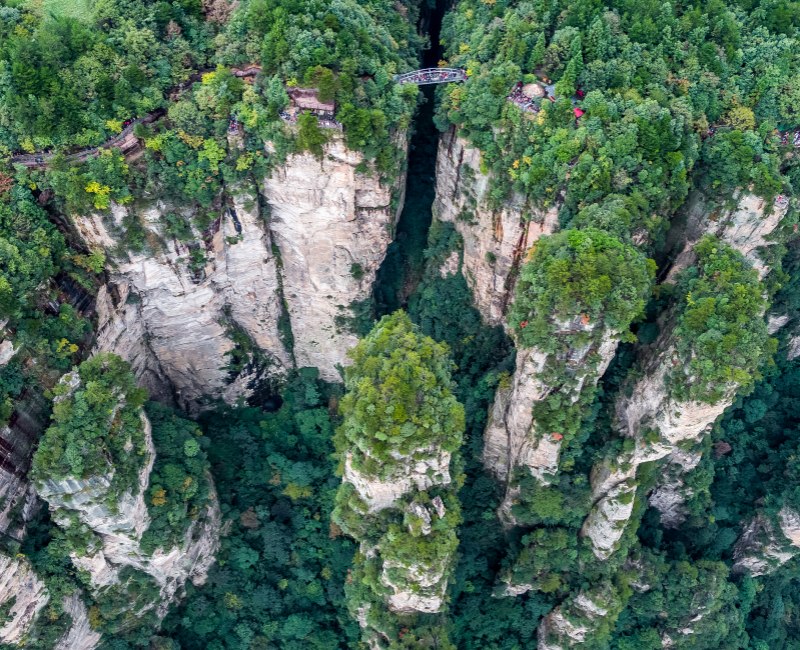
[(427, 76)]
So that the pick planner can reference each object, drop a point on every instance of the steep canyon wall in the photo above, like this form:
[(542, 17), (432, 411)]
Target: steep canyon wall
[(282, 264)]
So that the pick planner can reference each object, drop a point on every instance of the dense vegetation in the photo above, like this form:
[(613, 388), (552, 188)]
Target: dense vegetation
[(398, 399), (675, 96), (97, 428), (179, 494), (73, 80), (654, 77), (280, 574), (722, 338), (586, 275)]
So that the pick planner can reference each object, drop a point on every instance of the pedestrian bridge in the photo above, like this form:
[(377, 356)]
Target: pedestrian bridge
[(428, 76)]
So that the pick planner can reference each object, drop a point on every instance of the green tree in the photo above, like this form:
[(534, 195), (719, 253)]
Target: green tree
[(579, 274), (399, 397), (310, 136)]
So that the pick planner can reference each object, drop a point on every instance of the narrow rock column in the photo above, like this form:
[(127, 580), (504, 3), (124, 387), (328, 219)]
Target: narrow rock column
[(574, 300), (399, 443), (686, 379), (22, 597)]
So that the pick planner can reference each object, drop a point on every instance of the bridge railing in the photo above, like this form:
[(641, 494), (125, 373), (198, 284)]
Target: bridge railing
[(427, 76)]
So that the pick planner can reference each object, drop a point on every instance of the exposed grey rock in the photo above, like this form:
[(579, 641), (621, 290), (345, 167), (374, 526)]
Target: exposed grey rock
[(495, 240), (80, 635), (647, 410), (671, 493), (424, 469), (172, 325), (761, 548), (332, 226), (19, 582), (119, 527), (569, 624)]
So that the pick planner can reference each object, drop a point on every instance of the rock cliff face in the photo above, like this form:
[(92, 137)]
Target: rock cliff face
[(511, 439), (309, 242), (647, 414), (331, 225), (80, 635), (495, 239), (172, 317), (116, 527), (570, 623), (22, 596), (425, 469)]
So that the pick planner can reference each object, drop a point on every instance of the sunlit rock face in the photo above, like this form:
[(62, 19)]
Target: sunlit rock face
[(424, 469), (495, 239), (22, 596), (283, 265), (648, 409), (331, 226), (572, 623), (172, 312)]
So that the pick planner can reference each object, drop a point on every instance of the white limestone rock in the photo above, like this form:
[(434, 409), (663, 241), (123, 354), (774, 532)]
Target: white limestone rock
[(118, 529), (761, 548), (421, 591), (332, 226), (495, 240), (80, 635), (426, 468), (171, 325), (746, 226), (570, 623), (20, 584), (606, 521)]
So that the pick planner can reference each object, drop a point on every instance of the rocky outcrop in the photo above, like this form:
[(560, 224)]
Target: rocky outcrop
[(657, 423), (414, 584), (22, 596), (331, 225), (569, 624), (171, 312), (647, 413), (310, 245), (112, 524), (495, 239), (761, 548), (746, 224), (417, 586), (671, 493), (427, 468)]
